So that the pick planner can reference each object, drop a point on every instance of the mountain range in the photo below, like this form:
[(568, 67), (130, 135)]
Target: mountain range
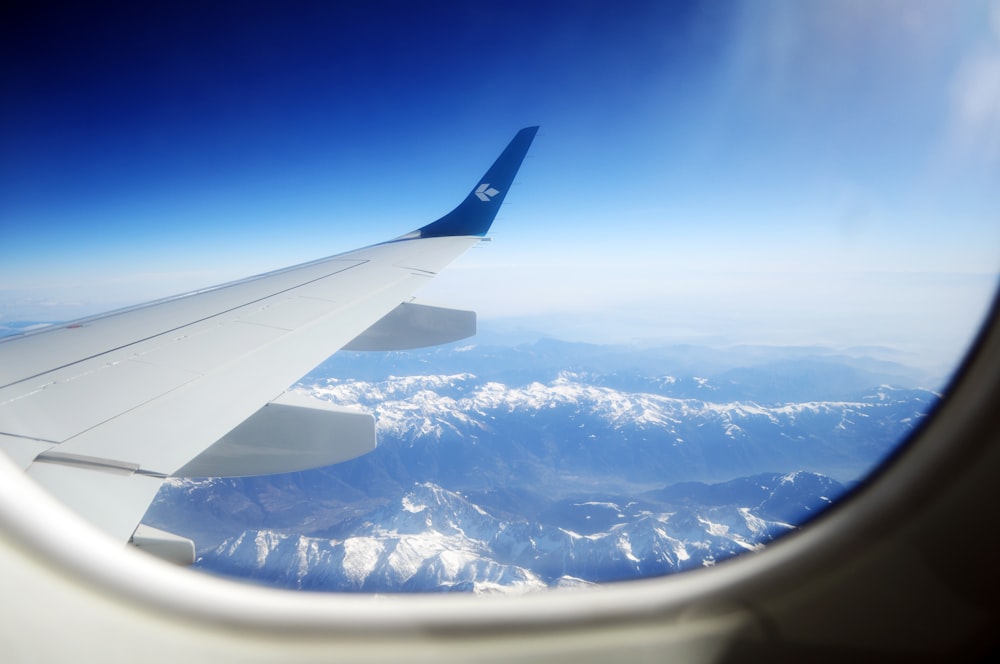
[(552, 465)]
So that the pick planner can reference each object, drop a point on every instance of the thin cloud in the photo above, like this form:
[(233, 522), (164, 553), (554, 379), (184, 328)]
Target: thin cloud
[(975, 99)]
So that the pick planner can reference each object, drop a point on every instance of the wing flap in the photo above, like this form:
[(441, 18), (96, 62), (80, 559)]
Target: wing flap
[(113, 499), (412, 325), (293, 432), (165, 546)]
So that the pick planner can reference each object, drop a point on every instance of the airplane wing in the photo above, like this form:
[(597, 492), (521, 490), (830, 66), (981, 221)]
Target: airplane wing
[(100, 411)]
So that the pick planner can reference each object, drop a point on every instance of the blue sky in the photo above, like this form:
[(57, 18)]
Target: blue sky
[(777, 172)]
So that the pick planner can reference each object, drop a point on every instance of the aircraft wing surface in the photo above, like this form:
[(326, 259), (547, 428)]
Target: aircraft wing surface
[(100, 411)]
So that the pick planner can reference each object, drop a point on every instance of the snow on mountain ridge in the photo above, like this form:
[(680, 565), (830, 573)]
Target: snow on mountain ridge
[(437, 539), (448, 548), (436, 405)]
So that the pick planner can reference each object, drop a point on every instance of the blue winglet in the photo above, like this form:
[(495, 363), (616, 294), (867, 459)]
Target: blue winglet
[(475, 214)]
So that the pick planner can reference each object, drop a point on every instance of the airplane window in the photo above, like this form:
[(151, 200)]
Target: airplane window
[(744, 256)]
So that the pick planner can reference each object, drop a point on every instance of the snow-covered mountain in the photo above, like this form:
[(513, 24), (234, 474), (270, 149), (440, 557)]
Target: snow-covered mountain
[(569, 431), (561, 478), (435, 539)]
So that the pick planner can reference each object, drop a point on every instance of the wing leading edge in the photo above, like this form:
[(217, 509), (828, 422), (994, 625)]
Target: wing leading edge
[(102, 410)]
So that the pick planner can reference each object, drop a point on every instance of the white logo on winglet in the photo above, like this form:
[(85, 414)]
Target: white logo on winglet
[(485, 192)]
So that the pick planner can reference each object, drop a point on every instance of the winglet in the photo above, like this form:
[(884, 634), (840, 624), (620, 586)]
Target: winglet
[(476, 213)]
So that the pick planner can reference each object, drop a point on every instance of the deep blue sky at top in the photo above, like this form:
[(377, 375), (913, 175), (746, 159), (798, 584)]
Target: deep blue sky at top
[(238, 105), (760, 168)]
